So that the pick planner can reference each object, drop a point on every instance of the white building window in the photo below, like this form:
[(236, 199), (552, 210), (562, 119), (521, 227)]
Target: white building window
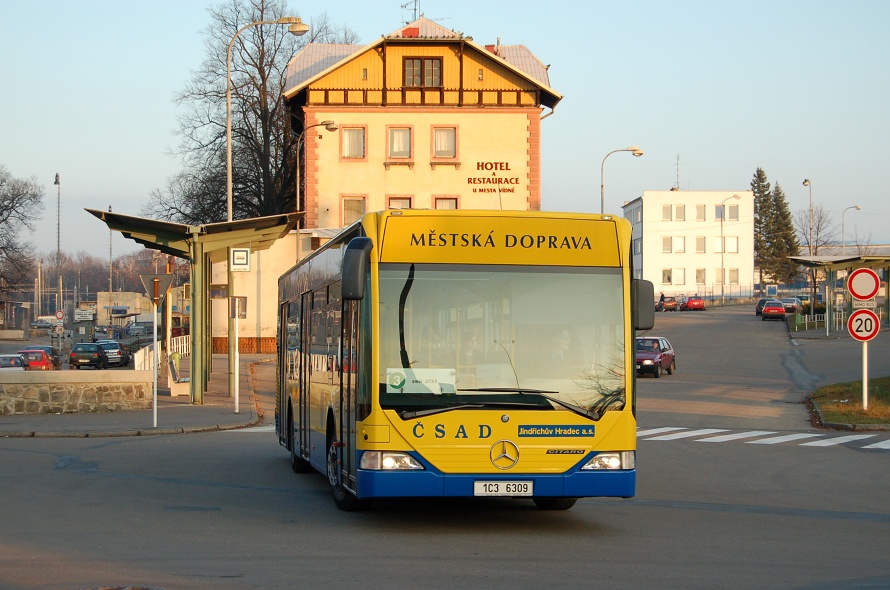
[(700, 242), (679, 244), (445, 142), (400, 202), (719, 211), (399, 142), (353, 209), (700, 276), (666, 276), (449, 203), (718, 245), (733, 276), (679, 276), (353, 143), (733, 213), (699, 212), (732, 244), (719, 274), (666, 243), (666, 212), (680, 214)]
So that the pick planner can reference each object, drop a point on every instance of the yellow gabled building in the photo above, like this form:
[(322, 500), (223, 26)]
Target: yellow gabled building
[(422, 118)]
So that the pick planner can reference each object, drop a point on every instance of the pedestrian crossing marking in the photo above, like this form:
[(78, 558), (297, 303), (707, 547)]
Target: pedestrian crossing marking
[(688, 434), (737, 436), (881, 445), (652, 431), (836, 441), (780, 439)]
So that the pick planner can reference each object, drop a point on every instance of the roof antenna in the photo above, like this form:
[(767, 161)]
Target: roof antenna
[(416, 9), (677, 181)]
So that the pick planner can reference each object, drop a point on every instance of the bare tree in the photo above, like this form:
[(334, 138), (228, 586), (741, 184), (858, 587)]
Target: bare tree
[(824, 231), (264, 150), (862, 245), (20, 206)]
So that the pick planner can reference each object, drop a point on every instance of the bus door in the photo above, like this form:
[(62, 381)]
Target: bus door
[(348, 392), (305, 370)]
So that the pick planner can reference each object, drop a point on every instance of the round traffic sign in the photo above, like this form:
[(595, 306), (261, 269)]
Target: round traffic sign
[(863, 283), (863, 325), (60, 315)]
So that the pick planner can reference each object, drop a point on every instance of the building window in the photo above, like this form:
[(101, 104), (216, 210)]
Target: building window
[(680, 244), (700, 242), (666, 276), (445, 142), (666, 243), (679, 276), (399, 142), (719, 243), (637, 245), (666, 212), (719, 212), (353, 209), (719, 273), (699, 212), (700, 276), (426, 72), (733, 276), (732, 244), (353, 143), (733, 213), (399, 202), (680, 214), (449, 203)]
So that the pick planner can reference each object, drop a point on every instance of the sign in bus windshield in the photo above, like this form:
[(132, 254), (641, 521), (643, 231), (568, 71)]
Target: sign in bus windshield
[(500, 240)]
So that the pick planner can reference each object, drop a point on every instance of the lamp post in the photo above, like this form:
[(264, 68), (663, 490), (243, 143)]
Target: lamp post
[(330, 126), (58, 184), (723, 249), (637, 152), (808, 184), (296, 27), (843, 233)]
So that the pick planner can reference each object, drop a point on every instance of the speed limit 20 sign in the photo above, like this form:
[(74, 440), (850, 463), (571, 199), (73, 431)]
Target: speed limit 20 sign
[(863, 325)]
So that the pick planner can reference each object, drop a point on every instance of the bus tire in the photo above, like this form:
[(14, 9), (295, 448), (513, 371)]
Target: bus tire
[(343, 498), (297, 463), (554, 503)]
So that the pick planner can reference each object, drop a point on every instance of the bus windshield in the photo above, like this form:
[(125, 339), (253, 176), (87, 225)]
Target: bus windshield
[(489, 336)]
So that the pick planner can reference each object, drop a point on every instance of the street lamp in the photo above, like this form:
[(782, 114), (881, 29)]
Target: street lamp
[(843, 233), (637, 152), (296, 27), (808, 184), (330, 126), (723, 248), (58, 184)]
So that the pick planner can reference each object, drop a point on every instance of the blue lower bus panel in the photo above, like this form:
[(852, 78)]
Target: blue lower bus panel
[(430, 483)]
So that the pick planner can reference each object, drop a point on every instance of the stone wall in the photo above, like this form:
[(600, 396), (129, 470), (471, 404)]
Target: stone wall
[(55, 392)]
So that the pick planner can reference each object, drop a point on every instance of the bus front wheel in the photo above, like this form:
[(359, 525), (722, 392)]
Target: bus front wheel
[(343, 498), (554, 503)]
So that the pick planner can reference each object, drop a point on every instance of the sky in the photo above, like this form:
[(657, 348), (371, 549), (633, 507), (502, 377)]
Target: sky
[(710, 91)]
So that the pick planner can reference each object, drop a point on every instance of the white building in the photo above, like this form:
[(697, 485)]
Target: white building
[(694, 242)]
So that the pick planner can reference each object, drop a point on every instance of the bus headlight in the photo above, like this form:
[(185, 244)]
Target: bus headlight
[(612, 461), (388, 461)]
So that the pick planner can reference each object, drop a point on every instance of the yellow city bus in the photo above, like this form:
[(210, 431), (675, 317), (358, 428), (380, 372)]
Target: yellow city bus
[(464, 353)]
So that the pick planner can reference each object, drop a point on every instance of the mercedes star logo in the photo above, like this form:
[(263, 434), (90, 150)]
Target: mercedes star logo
[(504, 454)]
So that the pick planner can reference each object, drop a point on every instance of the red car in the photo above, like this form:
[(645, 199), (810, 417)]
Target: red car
[(37, 360), (694, 303), (772, 310), (654, 355)]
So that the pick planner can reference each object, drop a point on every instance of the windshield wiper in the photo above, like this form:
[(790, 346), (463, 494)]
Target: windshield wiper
[(592, 414), (418, 413)]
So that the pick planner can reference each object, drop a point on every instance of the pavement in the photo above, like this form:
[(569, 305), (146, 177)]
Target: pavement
[(175, 415)]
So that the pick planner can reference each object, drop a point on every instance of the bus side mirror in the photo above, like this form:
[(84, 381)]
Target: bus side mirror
[(643, 294), (356, 264)]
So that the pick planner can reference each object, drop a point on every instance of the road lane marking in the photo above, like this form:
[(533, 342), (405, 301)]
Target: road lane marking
[(880, 445), (652, 431)]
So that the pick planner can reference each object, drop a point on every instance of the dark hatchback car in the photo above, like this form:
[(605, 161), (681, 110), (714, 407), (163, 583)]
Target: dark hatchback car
[(87, 354), (759, 307), (772, 310), (655, 355)]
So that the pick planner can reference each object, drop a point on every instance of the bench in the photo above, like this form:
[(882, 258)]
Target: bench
[(179, 385)]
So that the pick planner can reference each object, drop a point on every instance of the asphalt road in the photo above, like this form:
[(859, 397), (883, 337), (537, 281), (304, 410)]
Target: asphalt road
[(717, 505)]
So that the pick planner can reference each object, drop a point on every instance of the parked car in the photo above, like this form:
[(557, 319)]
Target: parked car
[(12, 362), (49, 350), (655, 355), (117, 354), (87, 354), (41, 325), (792, 304), (37, 360), (694, 303), (759, 307), (670, 304), (772, 310)]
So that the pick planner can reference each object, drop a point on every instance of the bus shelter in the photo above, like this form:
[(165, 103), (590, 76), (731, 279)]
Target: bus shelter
[(202, 245), (831, 267)]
